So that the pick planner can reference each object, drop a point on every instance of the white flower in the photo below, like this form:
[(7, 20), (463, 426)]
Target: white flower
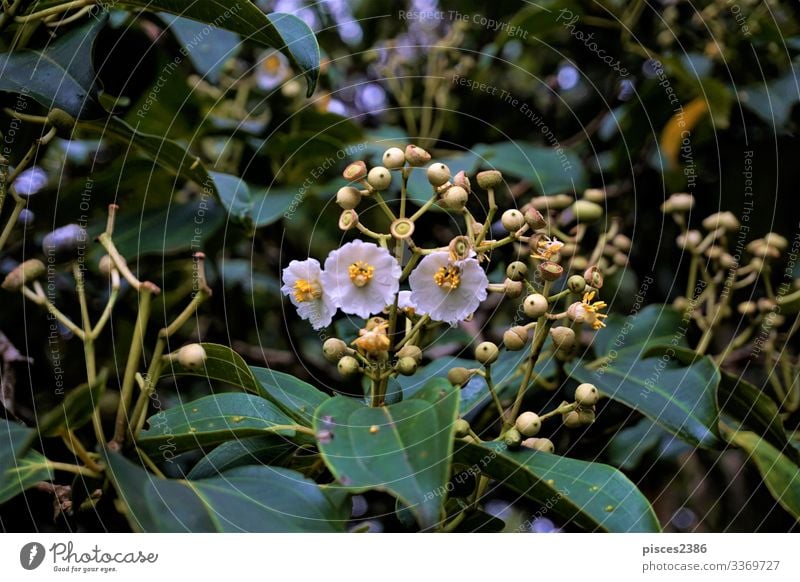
[(404, 300), (448, 290), (302, 283), (362, 278)]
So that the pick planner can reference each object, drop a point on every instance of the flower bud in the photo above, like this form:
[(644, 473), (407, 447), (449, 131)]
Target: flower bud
[(462, 181), (593, 277), (571, 419), (348, 219), (409, 351), (563, 337), (620, 259), (512, 438), (487, 353), (775, 240), (355, 171), (727, 261), (192, 356), (550, 271), (622, 242), (63, 242), (489, 179), (534, 219), (539, 444), (586, 416), (406, 366), (576, 284), (23, 274), (747, 307), (461, 428), (348, 197), (438, 174), (726, 220), (416, 156), (586, 395), (586, 211), (578, 263), (394, 158), (512, 220), (517, 271), (514, 339), (689, 240), (535, 305), (379, 178), (348, 366), (334, 349), (595, 195), (513, 289), (765, 304), (458, 376), (62, 121), (455, 198), (106, 265), (528, 424), (554, 202), (678, 203)]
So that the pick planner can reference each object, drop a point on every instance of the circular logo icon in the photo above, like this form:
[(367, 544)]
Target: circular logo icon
[(31, 555)]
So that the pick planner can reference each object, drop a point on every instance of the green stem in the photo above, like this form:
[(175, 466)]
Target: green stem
[(490, 383)]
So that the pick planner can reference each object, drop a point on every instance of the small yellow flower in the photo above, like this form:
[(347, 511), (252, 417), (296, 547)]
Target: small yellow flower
[(373, 339), (588, 311), (547, 248)]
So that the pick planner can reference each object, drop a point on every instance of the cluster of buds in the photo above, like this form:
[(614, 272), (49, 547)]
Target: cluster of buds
[(401, 289)]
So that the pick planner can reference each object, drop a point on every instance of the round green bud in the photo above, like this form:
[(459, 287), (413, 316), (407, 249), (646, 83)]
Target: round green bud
[(528, 424), (514, 339), (486, 353), (409, 351), (458, 376), (348, 366), (587, 394), (62, 121), (512, 438), (586, 211), (576, 284), (192, 356), (489, 179), (535, 305), (394, 158), (438, 174), (517, 271), (379, 178), (348, 197), (406, 366), (334, 349), (461, 428), (512, 220)]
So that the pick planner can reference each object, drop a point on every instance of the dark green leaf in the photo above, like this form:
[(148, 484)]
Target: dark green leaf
[(244, 499), (235, 196), (61, 75), (749, 406), (773, 101), (212, 420), (653, 325), (677, 394), (75, 410), (631, 444), (269, 206), (260, 450), (208, 47), (780, 474), (32, 469), (404, 449), (222, 364), (15, 440), (284, 32), (592, 495), (294, 397)]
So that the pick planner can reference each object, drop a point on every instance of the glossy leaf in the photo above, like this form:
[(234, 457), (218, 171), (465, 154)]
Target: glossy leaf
[(651, 326), (294, 397), (260, 450), (753, 409), (15, 440), (222, 364), (212, 420), (284, 32), (244, 499), (404, 449), (208, 48), (661, 384), (60, 75), (780, 474), (75, 410), (269, 206), (32, 469), (594, 496)]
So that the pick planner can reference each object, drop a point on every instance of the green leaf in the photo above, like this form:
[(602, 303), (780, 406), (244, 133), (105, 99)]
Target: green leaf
[(15, 440), (212, 420), (629, 446), (773, 101), (270, 205), (230, 191), (294, 397), (284, 32), (404, 449), (653, 325), (222, 364), (207, 47), (75, 410), (753, 409), (244, 499), (260, 450), (32, 469), (591, 495), (780, 474), (61, 75), (677, 393)]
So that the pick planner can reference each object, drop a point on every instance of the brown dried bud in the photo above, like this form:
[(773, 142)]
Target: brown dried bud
[(550, 271)]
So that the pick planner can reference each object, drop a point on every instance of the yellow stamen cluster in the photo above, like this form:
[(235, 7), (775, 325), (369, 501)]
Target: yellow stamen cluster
[(448, 277), (305, 290), (373, 339), (593, 308), (547, 248), (271, 65), (361, 273)]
